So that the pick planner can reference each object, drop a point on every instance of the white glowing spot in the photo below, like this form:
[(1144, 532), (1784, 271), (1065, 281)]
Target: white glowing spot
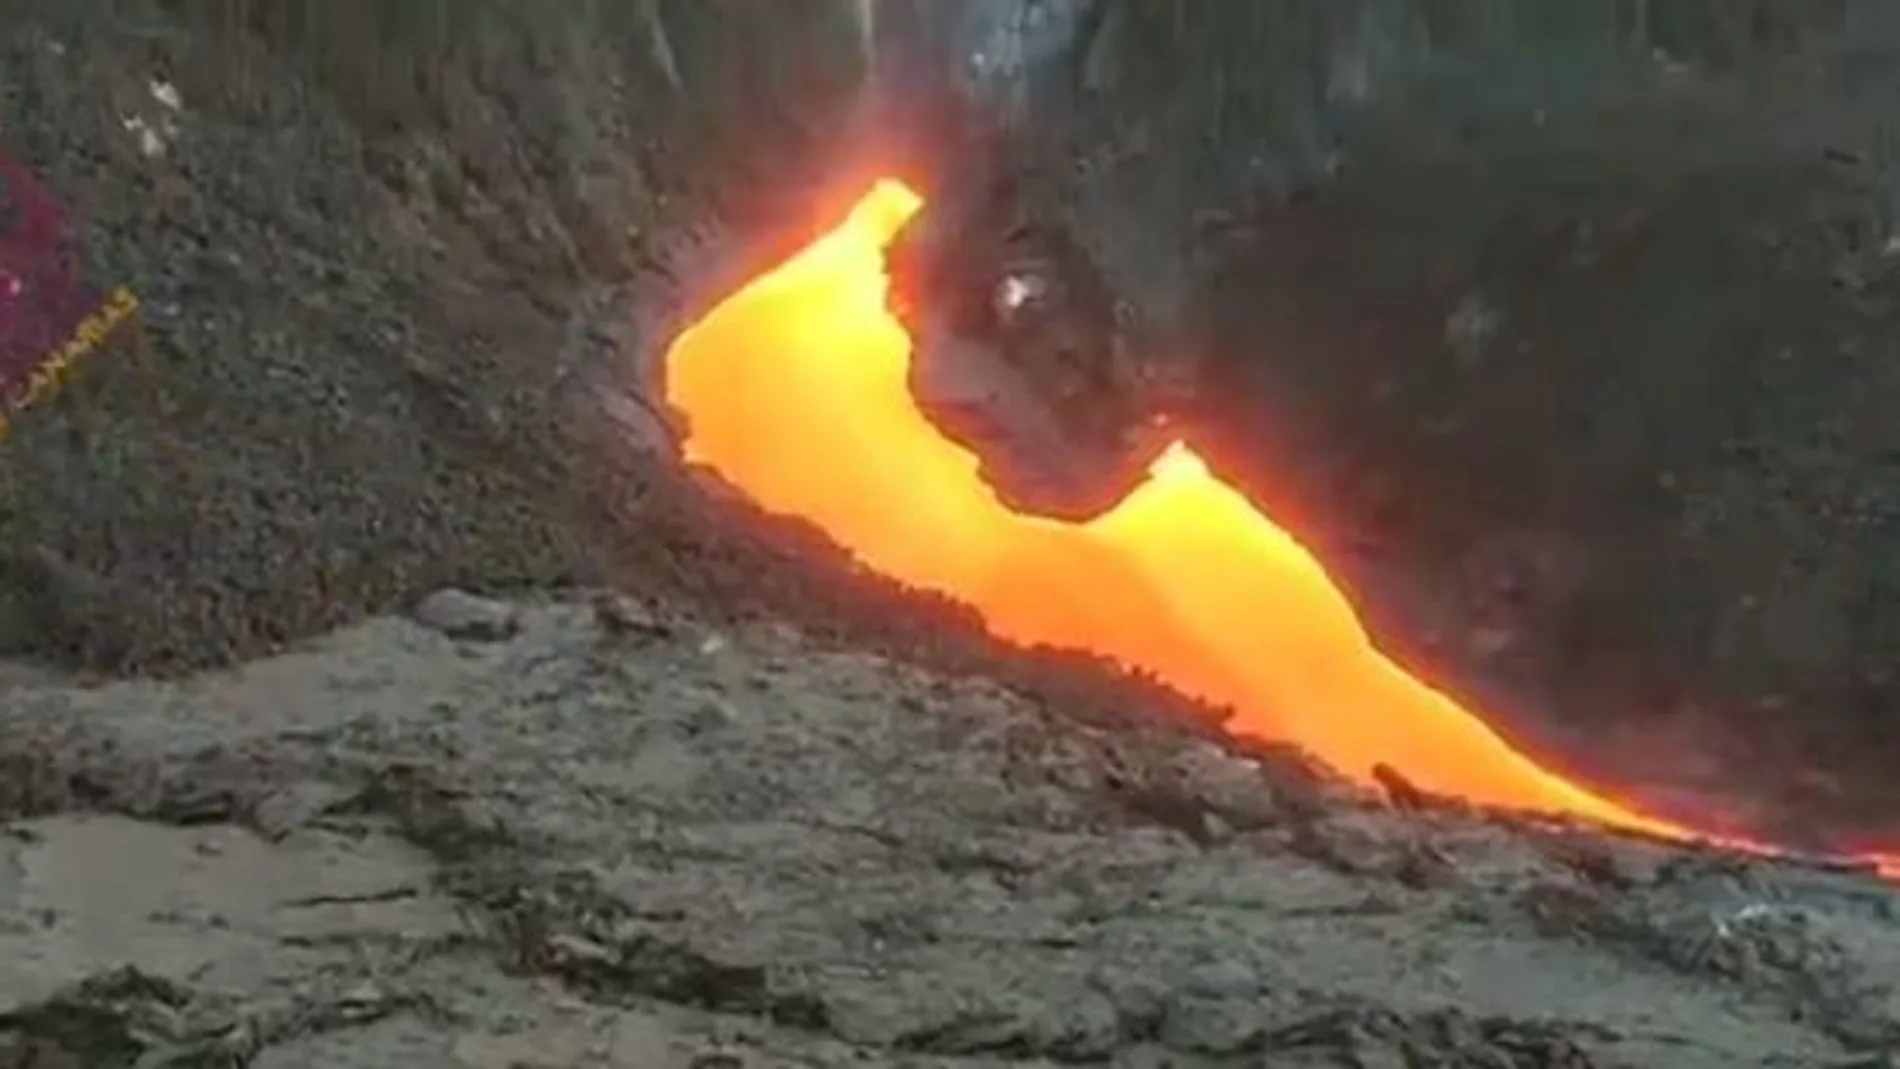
[(166, 93), (1017, 291), (1178, 462)]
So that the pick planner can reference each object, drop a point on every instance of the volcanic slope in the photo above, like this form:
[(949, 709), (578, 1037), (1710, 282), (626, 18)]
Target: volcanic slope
[(361, 241), (587, 833)]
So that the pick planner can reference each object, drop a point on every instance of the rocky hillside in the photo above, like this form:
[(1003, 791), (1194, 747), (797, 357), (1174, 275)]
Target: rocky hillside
[(365, 247), (565, 835)]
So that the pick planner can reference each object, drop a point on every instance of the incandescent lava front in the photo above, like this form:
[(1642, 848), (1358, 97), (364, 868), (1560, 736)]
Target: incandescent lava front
[(795, 391)]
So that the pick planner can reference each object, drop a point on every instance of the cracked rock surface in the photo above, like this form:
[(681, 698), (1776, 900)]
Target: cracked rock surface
[(589, 845)]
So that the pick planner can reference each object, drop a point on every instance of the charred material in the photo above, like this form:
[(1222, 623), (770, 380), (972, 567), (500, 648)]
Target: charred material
[(1074, 215), (1020, 356), (1025, 351)]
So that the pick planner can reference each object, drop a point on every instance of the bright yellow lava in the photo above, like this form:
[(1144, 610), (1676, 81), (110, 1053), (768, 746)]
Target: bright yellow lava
[(796, 392)]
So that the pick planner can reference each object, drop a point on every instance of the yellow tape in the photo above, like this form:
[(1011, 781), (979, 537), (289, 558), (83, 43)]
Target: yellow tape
[(88, 336)]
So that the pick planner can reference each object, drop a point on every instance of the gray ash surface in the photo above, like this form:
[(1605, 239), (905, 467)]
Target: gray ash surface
[(616, 836)]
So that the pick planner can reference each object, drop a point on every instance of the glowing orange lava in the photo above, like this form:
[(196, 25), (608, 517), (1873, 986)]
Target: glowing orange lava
[(796, 393)]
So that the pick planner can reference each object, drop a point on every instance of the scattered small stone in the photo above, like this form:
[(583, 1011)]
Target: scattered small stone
[(1166, 805), (1562, 910), (1233, 787), (294, 806), (466, 617), (623, 616), (1405, 796), (1348, 846), (1424, 867), (1597, 863), (710, 715)]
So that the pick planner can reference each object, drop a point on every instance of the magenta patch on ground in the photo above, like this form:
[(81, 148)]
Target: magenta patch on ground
[(43, 295)]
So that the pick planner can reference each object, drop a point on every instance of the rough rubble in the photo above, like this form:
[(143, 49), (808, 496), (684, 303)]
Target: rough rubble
[(604, 836)]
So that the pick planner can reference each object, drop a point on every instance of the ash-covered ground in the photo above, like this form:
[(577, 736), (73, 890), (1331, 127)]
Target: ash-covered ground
[(586, 832)]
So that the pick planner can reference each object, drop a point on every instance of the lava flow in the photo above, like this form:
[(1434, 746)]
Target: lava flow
[(795, 389)]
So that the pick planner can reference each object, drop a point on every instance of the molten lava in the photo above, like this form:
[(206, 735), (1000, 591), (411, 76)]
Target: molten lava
[(796, 392)]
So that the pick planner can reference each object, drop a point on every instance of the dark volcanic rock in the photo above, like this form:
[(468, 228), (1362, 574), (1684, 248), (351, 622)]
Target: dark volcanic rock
[(1566, 356)]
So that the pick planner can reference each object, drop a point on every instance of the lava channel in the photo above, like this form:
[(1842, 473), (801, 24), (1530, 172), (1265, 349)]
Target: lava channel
[(796, 392)]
